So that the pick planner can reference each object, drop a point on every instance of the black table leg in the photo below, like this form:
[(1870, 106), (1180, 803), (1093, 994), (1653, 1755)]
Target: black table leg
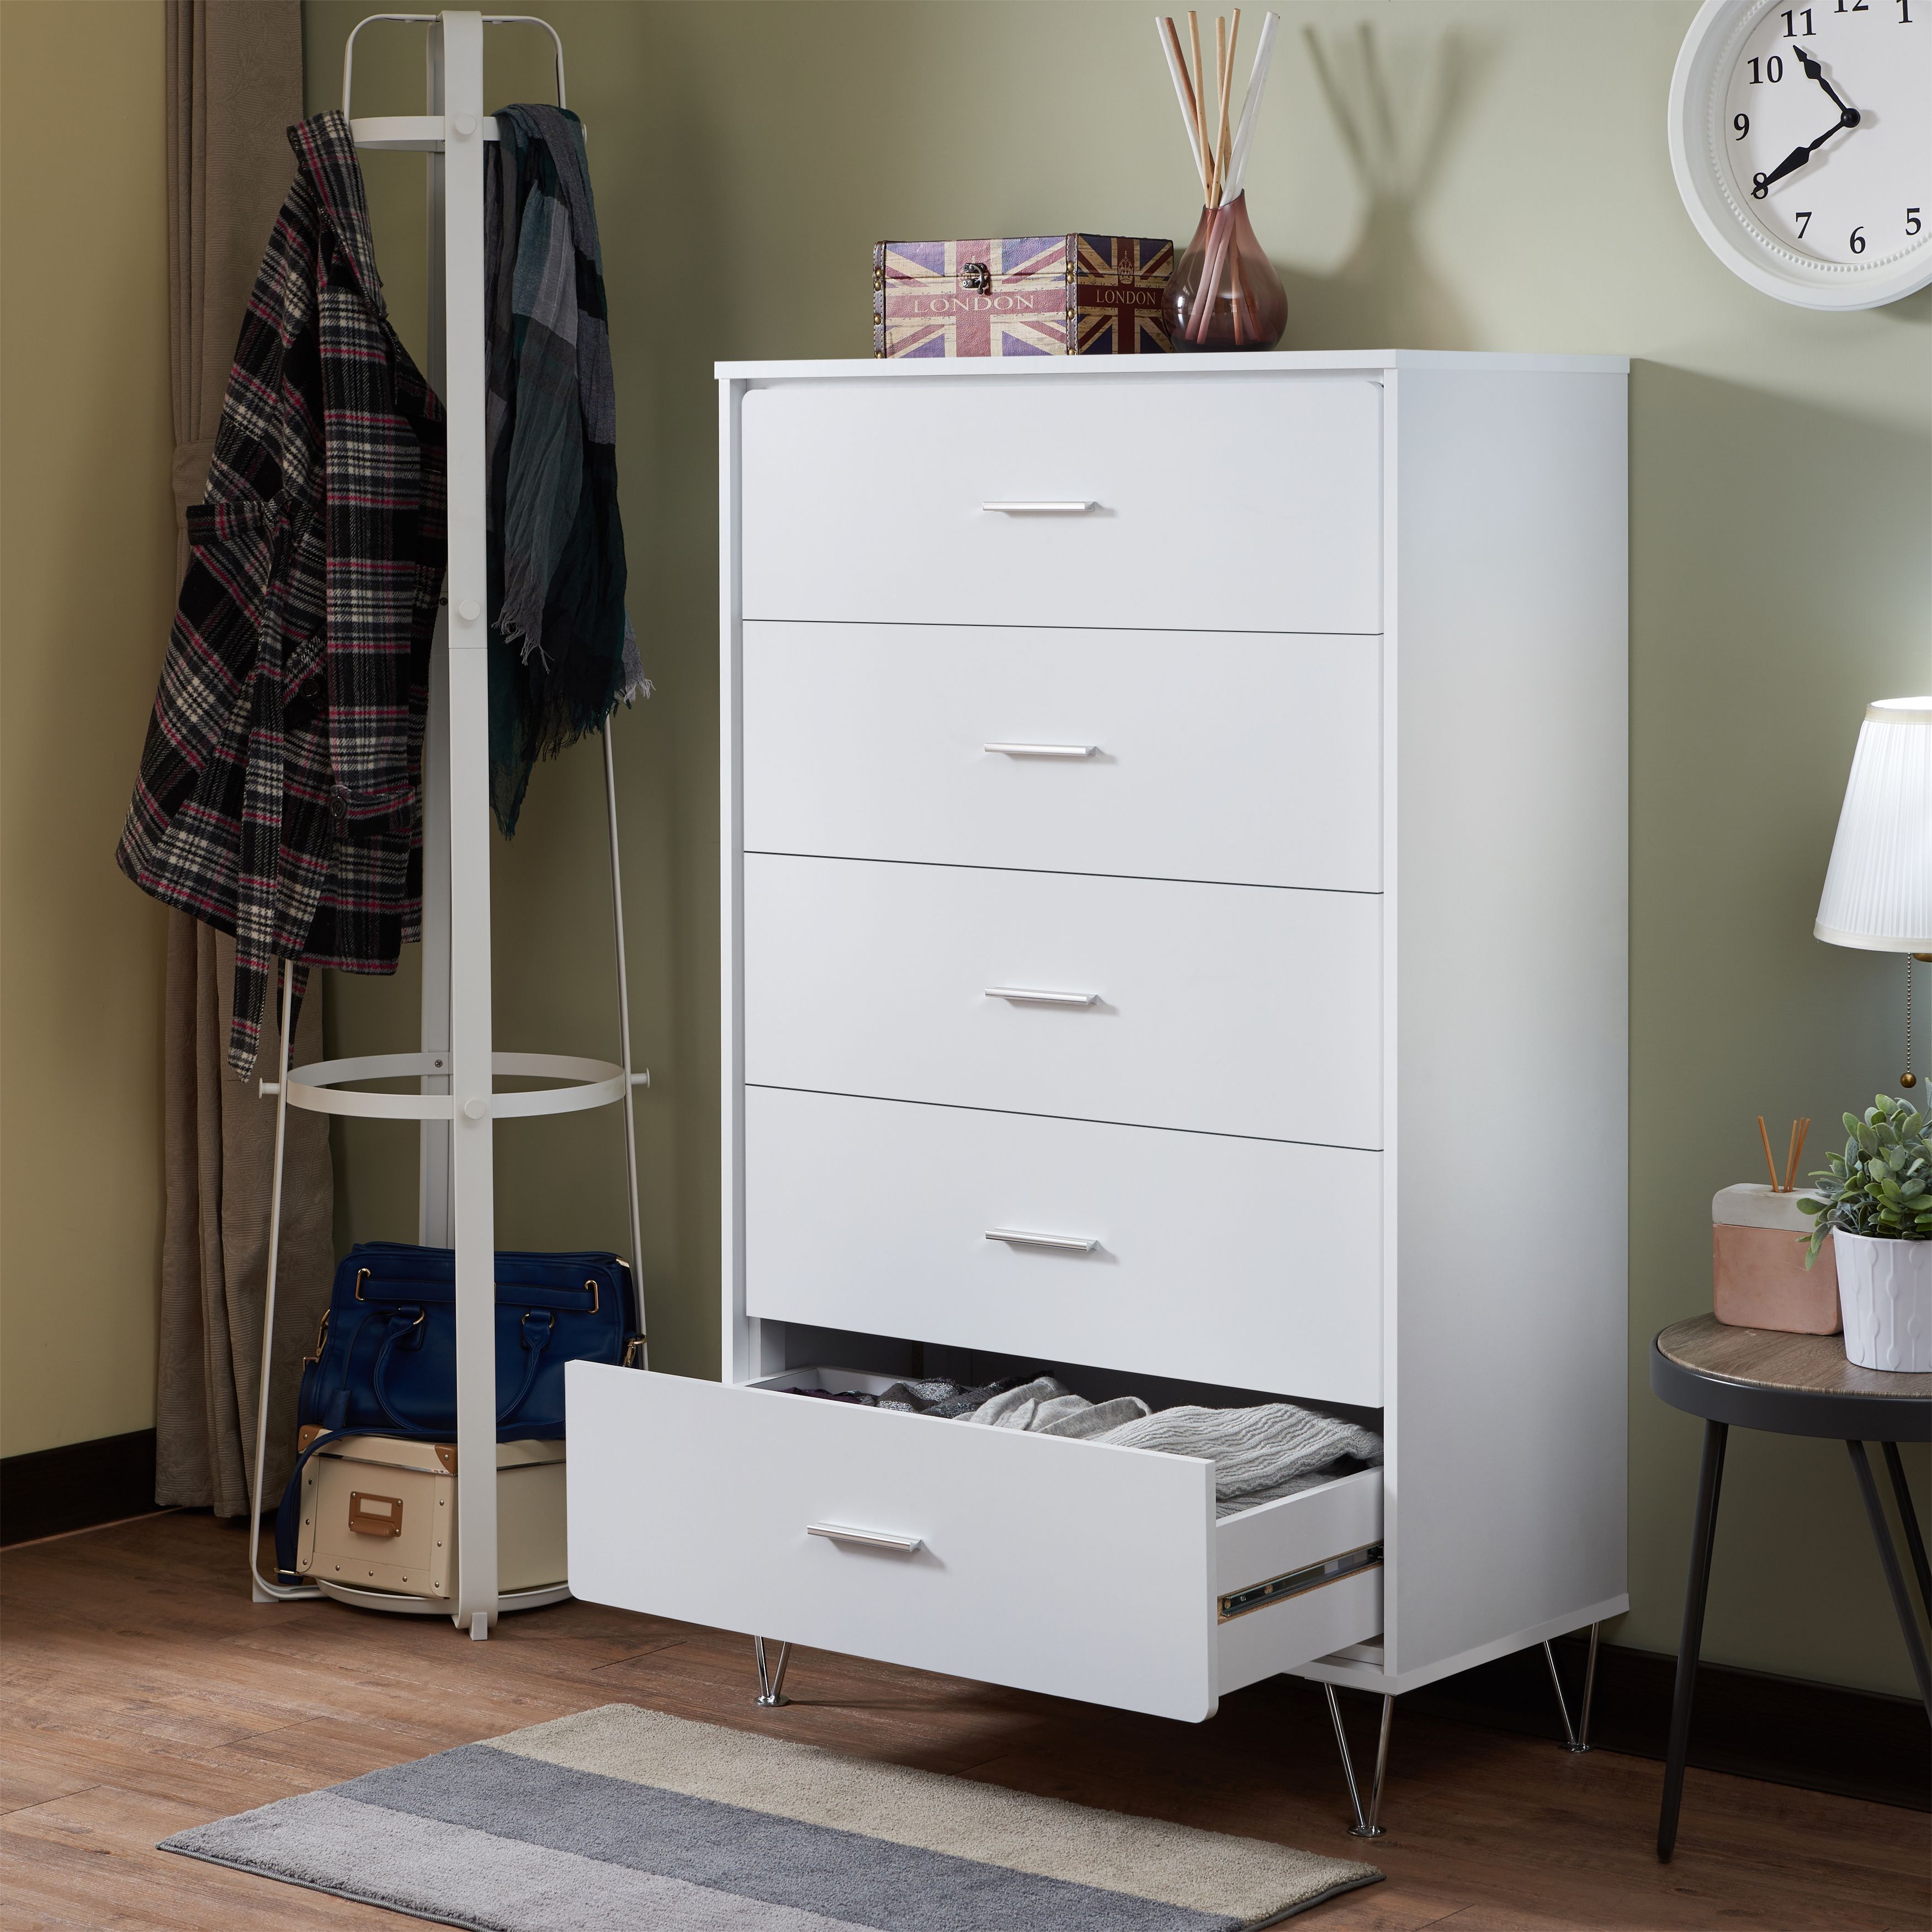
[(1703, 1538), (1915, 1541), (1895, 1577)]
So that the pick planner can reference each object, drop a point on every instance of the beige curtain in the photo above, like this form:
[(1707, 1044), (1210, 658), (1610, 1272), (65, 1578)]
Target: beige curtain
[(234, 86)]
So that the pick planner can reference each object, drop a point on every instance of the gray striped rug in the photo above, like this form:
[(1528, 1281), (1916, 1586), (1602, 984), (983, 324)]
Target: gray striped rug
[(622, 1818)]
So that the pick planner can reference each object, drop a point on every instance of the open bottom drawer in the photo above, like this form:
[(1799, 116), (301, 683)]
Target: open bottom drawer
[(1074, 1568)]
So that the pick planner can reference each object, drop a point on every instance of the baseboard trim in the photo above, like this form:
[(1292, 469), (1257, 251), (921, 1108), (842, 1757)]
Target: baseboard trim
[(79, 1486), (1786, 1730)]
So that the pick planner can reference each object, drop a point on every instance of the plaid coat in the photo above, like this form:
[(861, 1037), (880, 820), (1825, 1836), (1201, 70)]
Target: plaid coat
[(277, 796)]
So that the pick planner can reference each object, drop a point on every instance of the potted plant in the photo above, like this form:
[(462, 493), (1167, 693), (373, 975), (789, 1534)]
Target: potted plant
[(1876, 1201)]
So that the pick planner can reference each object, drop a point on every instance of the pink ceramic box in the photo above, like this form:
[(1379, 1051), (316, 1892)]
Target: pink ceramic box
[(1758, 1276)]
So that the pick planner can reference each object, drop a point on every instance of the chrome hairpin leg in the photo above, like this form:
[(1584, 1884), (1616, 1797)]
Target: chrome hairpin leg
[(1589, 1693), (1577, 1736), (1366, 1825), (771, 1682)]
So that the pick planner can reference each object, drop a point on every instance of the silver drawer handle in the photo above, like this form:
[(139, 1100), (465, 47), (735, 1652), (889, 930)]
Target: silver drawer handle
[(869, 1539), (1032, 996), (1038, 509), (1046, 750), (1018, 1237)]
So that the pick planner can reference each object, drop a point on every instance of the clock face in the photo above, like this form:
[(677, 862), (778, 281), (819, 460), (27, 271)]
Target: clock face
[(1802, 138)]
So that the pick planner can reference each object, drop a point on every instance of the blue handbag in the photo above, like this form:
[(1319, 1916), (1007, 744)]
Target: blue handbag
[(385, 1362)]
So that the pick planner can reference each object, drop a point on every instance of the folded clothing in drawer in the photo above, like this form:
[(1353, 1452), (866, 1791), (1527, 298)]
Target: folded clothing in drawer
[(1260, 1454), (1039, 1404)]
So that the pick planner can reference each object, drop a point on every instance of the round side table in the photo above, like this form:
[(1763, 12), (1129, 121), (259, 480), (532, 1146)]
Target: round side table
[(1790, 1385)]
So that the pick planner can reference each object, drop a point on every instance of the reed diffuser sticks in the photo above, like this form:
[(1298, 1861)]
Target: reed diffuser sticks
[(1799, 1129), (1794, 1153), (1219, 141)]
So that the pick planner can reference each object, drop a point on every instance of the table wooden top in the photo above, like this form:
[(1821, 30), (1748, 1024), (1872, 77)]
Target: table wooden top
[(1770, 1358)]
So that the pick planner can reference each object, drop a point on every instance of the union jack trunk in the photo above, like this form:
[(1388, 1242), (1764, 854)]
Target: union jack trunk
[(1030, 295)]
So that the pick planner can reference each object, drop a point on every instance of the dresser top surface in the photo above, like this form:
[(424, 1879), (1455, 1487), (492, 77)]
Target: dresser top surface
[(1272, 362)]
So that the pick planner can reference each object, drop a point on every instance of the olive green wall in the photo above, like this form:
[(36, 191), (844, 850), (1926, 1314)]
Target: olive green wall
[(1506, 188), (87, 565)]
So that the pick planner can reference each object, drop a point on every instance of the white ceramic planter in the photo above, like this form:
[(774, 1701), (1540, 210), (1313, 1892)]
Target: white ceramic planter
[(1885, 1290)]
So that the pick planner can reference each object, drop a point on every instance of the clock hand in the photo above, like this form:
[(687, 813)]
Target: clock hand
[(1761, 184), (1814, 71)]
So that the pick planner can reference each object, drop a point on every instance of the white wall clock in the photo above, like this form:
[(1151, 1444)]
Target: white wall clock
[(1801, 140)]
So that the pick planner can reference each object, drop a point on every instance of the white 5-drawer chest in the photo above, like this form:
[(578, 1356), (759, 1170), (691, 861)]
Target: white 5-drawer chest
[(1173, 935)]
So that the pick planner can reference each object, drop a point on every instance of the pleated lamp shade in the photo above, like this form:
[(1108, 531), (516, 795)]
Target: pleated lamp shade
[(1878, 889)]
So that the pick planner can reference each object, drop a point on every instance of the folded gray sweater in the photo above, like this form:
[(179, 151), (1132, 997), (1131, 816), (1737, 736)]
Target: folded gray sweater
[(1258, 1454), (1046, 1406)]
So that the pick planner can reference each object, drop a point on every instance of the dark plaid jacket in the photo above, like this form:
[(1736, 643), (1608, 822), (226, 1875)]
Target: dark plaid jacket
[(277, 798)]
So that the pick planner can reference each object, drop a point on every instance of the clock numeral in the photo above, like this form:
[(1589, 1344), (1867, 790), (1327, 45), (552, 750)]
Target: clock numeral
[(1804, 221), (1791, 33), (1856, 7), (1905, 12), (1773, 71), (1913, 223), (1742, 122), (1858, 241)]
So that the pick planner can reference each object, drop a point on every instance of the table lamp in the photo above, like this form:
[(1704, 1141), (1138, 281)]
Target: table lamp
[(1878, 887)]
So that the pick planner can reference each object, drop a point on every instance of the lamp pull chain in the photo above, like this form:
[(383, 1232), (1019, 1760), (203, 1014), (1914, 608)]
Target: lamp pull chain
[(1908, 1079)]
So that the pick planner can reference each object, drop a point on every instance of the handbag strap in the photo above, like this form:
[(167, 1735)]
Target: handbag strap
[(407, 1322)]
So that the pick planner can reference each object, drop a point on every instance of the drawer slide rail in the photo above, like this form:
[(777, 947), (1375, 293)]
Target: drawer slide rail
[(1298, 1583)]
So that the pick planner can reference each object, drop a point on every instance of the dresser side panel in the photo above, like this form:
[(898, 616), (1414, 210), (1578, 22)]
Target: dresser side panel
[(1506, 1372), (736, 1352)]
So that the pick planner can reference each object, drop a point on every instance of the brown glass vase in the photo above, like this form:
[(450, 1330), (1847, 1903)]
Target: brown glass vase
[(1224, 292)]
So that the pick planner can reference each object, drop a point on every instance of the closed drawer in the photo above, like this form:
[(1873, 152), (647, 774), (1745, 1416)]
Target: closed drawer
[(1233, 1010), (1247, 1263), (1071, 1568), (1196, 755), (1245, 503)]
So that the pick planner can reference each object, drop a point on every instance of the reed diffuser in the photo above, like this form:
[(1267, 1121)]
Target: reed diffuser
[(1224, 292)]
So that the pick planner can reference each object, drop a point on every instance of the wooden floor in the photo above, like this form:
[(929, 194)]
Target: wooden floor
[(144, 1693)]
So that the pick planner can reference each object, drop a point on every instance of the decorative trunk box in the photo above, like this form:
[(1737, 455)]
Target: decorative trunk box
[(380, 1514), (1029, 295)]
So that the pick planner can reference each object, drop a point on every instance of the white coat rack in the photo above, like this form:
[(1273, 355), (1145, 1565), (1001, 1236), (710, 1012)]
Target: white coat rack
[(458, 1104)]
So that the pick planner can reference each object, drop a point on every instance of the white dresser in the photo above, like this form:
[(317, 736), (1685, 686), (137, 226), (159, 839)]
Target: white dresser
[(1173, 810)]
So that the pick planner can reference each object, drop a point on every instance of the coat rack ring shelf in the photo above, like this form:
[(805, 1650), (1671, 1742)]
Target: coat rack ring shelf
[(594, 1083)]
